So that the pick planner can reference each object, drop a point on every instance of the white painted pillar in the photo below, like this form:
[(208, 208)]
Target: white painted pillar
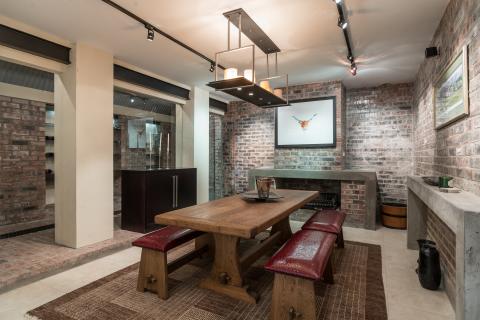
[(195, 134), (84, 148)]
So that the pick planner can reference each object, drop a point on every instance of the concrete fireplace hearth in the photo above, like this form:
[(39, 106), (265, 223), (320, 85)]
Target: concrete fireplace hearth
[(358, 190)]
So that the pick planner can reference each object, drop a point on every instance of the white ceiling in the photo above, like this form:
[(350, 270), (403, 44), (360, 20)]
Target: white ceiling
[(389, 36)]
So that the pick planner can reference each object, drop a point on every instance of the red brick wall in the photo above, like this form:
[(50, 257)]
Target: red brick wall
[(439, 232), (379, 136), (22, 162), (453, 150), (353, 201), (249, 135)]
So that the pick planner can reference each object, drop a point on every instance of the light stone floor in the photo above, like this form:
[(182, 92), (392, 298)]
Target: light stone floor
[(405, 298)]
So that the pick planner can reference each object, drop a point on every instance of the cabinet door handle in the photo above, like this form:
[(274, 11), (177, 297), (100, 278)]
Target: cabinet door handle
[(173, 191), (176, 191)]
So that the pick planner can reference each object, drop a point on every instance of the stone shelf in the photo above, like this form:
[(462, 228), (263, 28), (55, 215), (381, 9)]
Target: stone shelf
[(461, 213)]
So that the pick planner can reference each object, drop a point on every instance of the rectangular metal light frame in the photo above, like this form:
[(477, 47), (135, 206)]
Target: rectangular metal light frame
[(252, 46)]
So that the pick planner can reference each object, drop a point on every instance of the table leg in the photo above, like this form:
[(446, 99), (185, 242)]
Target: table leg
[(226, 275), (284, 227)]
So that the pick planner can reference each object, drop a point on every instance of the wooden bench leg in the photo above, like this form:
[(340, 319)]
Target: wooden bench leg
[(153, 274), (293, 298), (340, 242), (328, 273)]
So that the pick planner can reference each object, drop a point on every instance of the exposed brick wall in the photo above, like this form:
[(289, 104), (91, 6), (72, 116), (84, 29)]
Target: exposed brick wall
[(249, 142), (353, 201), (439, 232), (216, 179), (22, 162), (379, 136), (249, 135), (453, 150)]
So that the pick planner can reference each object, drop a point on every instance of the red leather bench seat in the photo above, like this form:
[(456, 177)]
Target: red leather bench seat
[(305, 255), (326, 221), (166, 238)]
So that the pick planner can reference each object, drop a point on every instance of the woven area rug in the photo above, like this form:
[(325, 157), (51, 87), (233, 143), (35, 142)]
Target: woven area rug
[(357, 294)]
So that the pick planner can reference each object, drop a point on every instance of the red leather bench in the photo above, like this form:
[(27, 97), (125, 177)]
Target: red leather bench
[(154, 270), (303, 260), (330, 221)]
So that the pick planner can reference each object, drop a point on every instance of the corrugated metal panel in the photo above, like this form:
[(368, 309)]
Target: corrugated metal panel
[(19, 75), (144, 103), (32, 78)]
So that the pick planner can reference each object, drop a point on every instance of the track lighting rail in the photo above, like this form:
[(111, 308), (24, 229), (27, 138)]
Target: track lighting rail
[(149, 27), (343, 24)]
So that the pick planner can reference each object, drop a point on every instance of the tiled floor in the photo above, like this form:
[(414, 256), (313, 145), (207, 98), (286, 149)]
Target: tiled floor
[(35, 255), (405, 298)]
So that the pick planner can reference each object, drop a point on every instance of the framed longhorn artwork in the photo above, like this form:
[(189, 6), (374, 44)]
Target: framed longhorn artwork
[(306, 123)]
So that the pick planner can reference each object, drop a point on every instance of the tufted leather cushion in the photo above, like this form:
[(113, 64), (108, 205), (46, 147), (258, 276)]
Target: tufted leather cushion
[(166, 238), (305, 255), (326, 221)]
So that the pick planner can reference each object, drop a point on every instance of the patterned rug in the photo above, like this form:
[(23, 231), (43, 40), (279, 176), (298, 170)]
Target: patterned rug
[(357, 294)]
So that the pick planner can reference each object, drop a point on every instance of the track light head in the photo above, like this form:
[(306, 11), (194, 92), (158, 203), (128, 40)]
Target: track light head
[(212, 67), (353, 69), (150, 33), (342, 23), (338, 1)]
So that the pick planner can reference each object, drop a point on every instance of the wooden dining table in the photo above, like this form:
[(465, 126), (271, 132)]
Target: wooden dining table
[(228, 220)]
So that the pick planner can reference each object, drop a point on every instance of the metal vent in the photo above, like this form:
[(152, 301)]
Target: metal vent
[(144, 103)]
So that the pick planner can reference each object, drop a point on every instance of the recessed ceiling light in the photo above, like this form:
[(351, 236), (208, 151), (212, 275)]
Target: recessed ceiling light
[(250, 93), (239, 89), (338, 1), (132, 100)]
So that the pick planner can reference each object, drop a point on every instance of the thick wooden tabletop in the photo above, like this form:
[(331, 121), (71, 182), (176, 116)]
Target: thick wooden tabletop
[(235, 216)]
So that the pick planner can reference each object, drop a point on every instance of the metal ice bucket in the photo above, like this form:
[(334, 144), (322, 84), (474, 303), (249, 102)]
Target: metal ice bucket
[(263, 187)]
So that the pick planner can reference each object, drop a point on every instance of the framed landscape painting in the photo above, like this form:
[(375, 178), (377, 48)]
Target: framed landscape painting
[(307, 123), (451, 92)]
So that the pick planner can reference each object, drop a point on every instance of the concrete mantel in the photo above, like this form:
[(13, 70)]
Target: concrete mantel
[(369, 178), (351, 175), (461, 213)]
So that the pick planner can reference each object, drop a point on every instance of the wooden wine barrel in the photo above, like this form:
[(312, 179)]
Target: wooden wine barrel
[(394, 215)]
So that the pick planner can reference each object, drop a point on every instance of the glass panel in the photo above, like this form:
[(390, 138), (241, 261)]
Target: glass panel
[(144, 135)]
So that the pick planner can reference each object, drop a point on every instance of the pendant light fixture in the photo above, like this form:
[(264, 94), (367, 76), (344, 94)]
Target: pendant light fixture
[(239, 78)]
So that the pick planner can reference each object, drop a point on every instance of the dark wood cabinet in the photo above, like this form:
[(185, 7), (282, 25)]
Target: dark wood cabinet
[(146, 193)]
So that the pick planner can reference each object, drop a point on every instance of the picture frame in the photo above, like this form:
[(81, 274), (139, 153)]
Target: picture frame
[(450, 94), (307, 123)]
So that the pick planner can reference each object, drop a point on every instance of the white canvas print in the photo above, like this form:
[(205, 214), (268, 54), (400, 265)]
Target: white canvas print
[(308, 123)]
